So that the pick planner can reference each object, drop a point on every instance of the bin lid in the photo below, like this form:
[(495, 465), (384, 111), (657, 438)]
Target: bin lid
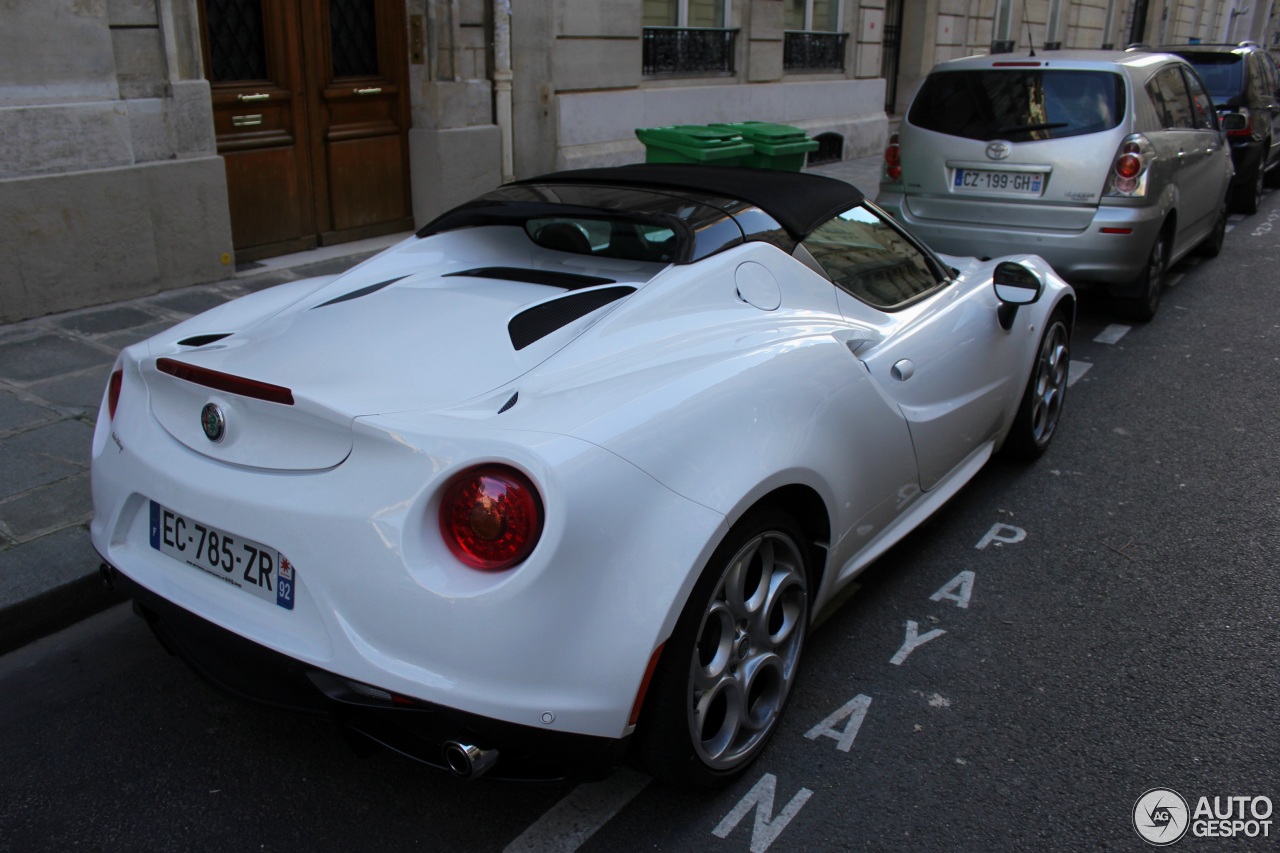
[(770, 138), (689, 135)]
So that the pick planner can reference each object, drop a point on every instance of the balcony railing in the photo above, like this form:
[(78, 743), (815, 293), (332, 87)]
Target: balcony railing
[(687, 50), (812, 51)]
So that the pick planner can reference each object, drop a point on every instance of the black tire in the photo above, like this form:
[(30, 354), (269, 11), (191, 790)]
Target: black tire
[(1248, 194), (725, 663), (1150, 284), (1212, 245), (1041, 407)]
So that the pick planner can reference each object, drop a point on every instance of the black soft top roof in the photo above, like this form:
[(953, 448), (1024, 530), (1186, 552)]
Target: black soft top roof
[(800, 202)]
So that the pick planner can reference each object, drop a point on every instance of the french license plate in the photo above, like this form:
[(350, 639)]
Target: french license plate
[(247, 565), (1010, 183)]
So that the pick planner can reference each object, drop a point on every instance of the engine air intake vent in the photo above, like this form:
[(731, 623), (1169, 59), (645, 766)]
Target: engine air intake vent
[(356, 294), (202, 340), (553, 278), (536, 323)]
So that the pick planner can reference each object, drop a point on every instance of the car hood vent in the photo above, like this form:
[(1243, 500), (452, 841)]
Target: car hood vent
[(534, 324), (203, 340), (552, 278), (356, 294)]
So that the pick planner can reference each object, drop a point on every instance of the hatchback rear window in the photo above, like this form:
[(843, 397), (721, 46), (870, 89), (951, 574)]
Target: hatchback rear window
[(1019, 104), (1222, 73)]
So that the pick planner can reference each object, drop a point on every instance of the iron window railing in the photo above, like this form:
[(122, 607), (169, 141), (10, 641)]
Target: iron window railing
[(688, 50), (804, 50)]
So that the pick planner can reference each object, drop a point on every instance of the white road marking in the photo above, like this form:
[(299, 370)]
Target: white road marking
[(766, 827), (577, 817), (1075, 370), (1001, 533), (962, 582), (914, 641), (856, 710), (1112, 334)]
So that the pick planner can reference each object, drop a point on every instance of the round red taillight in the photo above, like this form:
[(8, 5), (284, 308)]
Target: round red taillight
[(893, 159), (113, 392), (491, 517), (1128, 165)]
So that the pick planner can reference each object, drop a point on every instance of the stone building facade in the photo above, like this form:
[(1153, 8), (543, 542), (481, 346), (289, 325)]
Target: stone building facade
[(147, 143)]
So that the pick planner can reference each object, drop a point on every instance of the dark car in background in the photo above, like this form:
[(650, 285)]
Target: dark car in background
[(1243, 81), (1110, 165)]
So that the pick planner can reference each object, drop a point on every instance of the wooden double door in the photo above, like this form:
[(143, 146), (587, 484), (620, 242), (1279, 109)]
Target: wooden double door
[(310, 108)]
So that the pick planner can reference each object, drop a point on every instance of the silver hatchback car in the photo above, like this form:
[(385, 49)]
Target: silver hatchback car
[(1109, 165)]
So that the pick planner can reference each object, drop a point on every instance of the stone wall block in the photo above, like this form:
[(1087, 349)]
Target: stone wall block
[(190, 222), (64, 137), (613, 18), (140, 62), (448, 105), (55, 52), (190, 120), (99, 236), (596, 63), (449, 167), (764, 60), (132, 13)]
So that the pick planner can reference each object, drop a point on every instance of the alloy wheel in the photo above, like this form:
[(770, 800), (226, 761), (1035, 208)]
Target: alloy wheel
[(747, 650)]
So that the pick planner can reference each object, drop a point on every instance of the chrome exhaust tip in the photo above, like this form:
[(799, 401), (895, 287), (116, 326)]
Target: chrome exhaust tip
[(468, 761)]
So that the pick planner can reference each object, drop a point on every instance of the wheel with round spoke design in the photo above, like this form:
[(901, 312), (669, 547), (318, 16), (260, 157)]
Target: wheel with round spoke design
[(1041, 406), (729, 666)]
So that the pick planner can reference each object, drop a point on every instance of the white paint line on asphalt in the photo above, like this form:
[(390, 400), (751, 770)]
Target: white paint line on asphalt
[(570, 822), (1113, 333), (1075, 370)]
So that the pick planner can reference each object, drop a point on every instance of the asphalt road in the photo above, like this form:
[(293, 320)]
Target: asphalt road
[(1057, 641)]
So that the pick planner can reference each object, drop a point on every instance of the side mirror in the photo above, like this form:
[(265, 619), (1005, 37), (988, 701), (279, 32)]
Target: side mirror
[(1015, 285)]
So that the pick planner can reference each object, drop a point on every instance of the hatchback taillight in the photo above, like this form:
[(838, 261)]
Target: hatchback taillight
[(113, 391), (1128, 174), (893, 159), (491, 517)]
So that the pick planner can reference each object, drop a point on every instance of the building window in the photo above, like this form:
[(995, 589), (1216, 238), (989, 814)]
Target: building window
[(688, 37), (811, 41)]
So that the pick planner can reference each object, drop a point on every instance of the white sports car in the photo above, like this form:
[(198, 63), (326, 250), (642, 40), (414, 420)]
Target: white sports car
[(563, 479)]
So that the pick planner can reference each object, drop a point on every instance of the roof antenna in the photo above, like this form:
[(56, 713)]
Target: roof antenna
[(1026, 20)]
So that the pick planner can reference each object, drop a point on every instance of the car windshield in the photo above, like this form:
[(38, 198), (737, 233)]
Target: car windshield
[(1019, 105), (1222, 73)]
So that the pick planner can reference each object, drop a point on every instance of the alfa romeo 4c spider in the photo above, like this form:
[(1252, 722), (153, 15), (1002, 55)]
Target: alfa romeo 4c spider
[(561, 480)]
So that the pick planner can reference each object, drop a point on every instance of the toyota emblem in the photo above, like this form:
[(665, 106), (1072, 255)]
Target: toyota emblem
[(998, 150), (213, 422)]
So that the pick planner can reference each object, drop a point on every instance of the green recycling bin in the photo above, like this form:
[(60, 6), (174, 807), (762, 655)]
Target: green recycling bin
[(687, 143), (775, 146)]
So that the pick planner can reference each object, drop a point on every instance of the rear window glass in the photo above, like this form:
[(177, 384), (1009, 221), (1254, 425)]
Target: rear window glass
[(1222, 73), (1019, 104), (626, 239)]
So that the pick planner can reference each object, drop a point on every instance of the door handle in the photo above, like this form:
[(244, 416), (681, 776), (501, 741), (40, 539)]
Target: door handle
[(903, 370), (372, 90), (246, 121), (258, 96)]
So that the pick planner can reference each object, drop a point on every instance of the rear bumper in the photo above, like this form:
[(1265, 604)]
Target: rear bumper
[(1087, 255), (414, 728)]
